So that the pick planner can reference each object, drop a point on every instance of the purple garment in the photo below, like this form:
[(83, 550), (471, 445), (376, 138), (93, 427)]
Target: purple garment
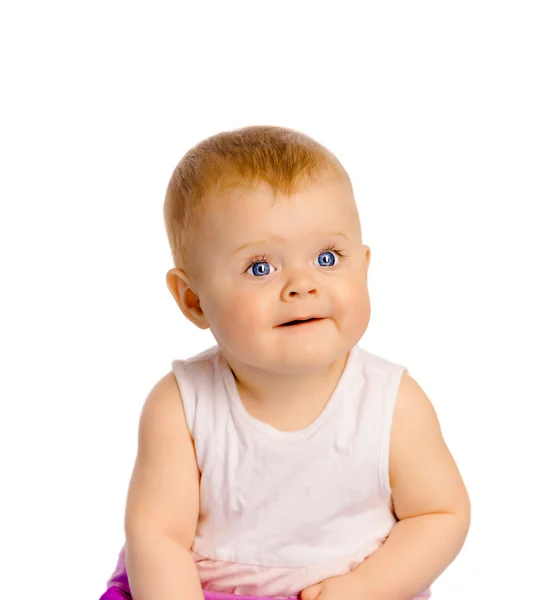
[(118, 587)]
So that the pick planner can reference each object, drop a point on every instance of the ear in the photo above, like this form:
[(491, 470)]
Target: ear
[(187, 300)]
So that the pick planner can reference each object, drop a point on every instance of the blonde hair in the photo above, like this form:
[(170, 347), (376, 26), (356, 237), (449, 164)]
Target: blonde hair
[(277, 156)]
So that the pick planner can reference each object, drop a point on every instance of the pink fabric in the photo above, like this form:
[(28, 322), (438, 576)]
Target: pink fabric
[(118, 587)]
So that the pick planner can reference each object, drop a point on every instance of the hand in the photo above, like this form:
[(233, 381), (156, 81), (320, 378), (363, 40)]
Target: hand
[(342, 587)]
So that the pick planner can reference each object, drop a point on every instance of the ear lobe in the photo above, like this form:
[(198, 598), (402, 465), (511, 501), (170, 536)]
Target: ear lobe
[(187, 300)]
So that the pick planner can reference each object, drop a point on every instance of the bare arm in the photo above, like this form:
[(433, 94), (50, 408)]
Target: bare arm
[(429, 498), (163, 502)]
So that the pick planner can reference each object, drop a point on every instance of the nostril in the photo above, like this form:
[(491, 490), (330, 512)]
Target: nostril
[(311, 291)]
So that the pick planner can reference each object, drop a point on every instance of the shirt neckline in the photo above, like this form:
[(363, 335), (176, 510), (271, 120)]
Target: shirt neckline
[(273, 432)]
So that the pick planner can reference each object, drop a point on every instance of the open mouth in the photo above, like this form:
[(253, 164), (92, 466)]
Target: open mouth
[(300, 322)]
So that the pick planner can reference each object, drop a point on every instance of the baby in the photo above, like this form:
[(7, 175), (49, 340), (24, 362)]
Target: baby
[(286, 460)]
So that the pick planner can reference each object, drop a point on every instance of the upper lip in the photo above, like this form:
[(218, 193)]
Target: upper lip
[(300, 319)]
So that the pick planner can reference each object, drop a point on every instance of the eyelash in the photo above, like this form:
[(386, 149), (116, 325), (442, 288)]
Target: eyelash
[(268, 259)]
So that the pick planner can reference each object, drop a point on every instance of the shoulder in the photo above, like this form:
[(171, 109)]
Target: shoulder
[(162, 415), (413, 409), (164, 394), (196, 375)]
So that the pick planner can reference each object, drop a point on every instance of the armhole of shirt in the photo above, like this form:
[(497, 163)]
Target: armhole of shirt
[(391, 391), (186, 393)]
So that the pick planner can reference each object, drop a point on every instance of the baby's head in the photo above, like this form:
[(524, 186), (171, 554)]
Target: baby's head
[(264, 230)]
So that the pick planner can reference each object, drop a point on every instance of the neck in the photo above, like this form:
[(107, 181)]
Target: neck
[(291, 400)]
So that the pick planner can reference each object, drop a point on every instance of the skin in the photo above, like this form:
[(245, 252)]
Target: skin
[(244, 311)]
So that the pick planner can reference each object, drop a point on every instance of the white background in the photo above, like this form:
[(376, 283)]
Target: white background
[(437, 110)]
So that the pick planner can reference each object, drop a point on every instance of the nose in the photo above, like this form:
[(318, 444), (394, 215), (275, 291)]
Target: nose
[(299, 284)]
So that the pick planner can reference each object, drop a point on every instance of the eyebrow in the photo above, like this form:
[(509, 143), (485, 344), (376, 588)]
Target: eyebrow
[(261, 242)]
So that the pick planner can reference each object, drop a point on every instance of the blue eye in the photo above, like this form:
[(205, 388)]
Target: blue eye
[(327, 259), (260, 268)]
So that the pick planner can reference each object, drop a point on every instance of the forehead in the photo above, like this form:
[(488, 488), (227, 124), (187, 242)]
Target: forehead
[(322, 204)]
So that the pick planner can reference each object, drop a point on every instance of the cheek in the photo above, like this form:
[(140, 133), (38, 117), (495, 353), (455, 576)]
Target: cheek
[(242, 313), (353, 299)]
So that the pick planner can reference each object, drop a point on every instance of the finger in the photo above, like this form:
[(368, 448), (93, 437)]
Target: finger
[(312, 592)]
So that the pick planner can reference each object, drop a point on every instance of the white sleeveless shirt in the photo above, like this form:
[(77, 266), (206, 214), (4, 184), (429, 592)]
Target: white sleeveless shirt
[(280, 511)]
